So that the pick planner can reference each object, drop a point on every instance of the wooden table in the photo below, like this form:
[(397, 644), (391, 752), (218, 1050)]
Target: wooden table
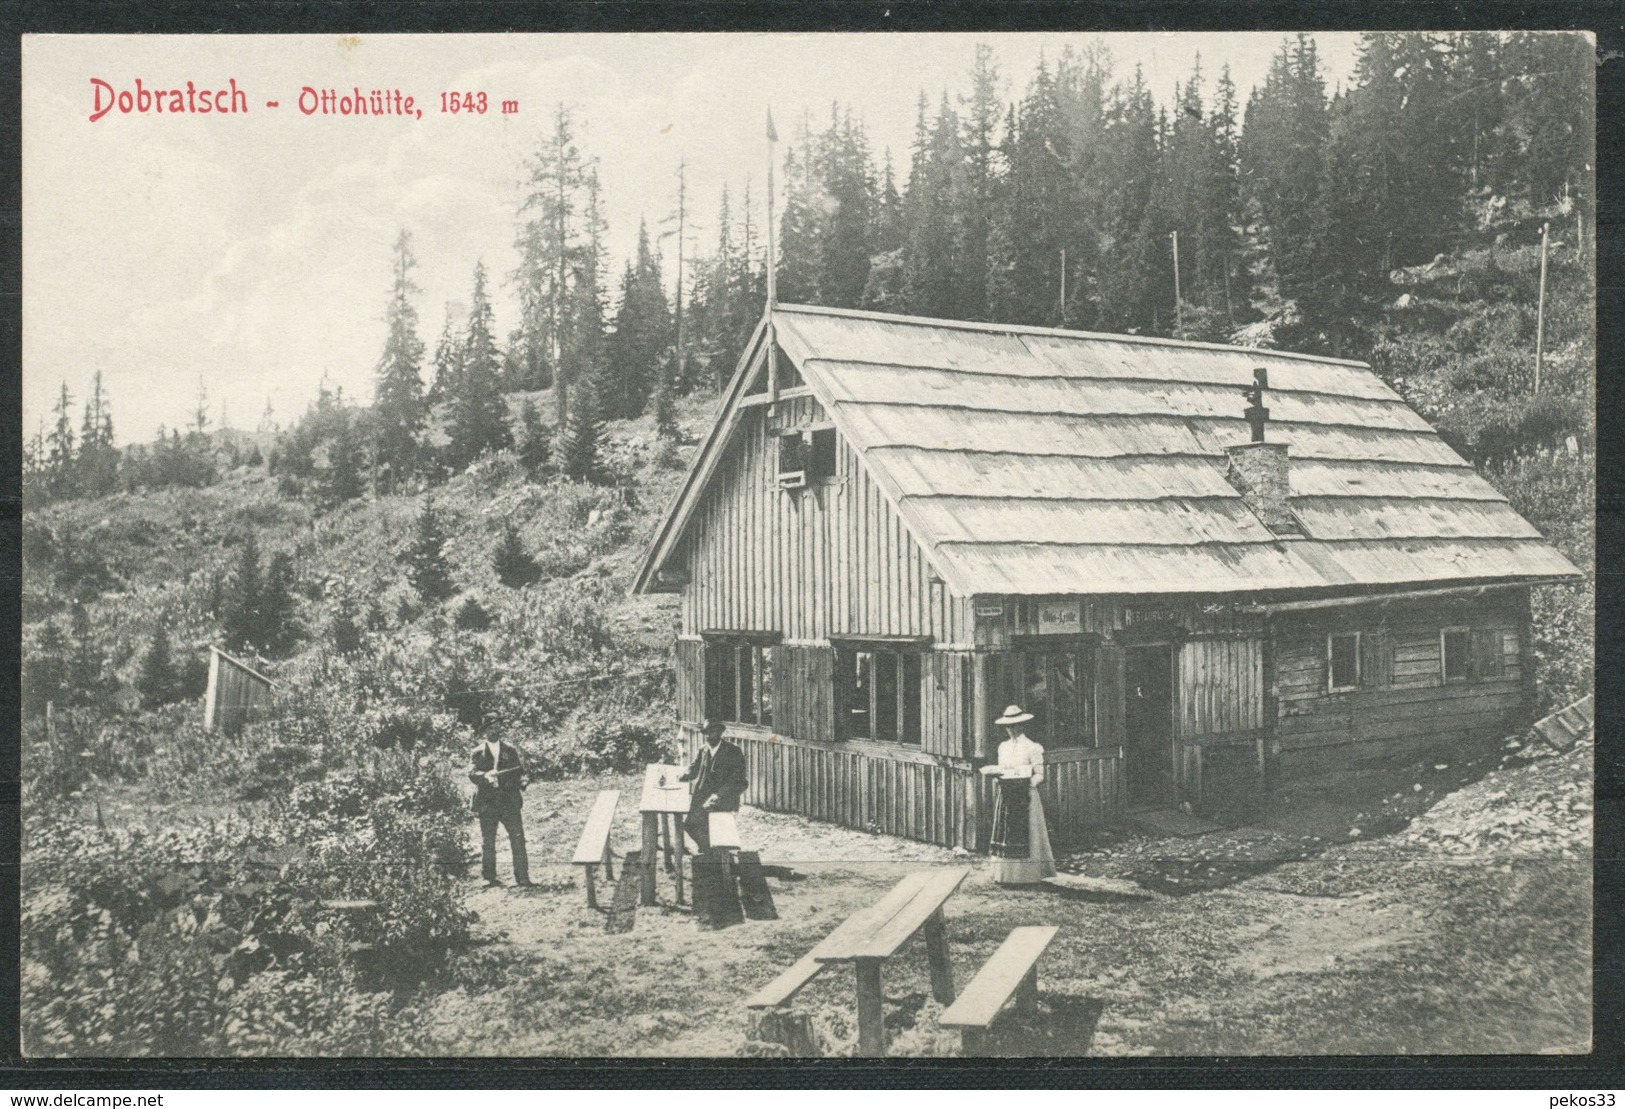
[(870, 937), (663, 807)]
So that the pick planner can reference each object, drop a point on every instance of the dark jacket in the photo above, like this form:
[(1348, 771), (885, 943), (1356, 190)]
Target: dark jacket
[(721, 775), (510, 778)]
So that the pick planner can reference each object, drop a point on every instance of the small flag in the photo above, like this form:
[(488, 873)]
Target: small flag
[(772, 132)]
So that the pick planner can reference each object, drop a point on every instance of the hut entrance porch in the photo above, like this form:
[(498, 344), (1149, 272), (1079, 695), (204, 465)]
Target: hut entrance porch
[(1148, 725)]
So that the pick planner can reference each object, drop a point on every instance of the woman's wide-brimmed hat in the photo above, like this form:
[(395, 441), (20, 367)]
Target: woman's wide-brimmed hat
[(1014, 715)]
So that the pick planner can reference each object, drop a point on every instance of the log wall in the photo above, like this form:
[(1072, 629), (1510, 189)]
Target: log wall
[(1403, 707)]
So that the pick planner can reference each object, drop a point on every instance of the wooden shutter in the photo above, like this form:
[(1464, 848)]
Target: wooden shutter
[(1487, 661), (1109, 696), (1376, 659)]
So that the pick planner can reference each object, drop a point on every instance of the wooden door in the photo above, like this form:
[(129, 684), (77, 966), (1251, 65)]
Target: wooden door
[(1148, 724)]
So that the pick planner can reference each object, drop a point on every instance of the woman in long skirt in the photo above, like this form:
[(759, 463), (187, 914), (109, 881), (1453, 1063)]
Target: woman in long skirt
[(1020, 845)]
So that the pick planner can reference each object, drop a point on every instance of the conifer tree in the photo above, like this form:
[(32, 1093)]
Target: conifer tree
[(582, 440), (642, 331), (425, 559), (241, 620), (479, 415), (59, 448), (547, 240), (158, 681), (514, 566), (536, 440), (398, 403), (278, 630), (448, 364)]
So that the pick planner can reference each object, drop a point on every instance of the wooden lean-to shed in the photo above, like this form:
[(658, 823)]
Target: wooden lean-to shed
[(897, 526)]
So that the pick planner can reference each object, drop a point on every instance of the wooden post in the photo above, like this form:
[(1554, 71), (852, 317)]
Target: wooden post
[(592, 894), (1540, 310), (936, 952), (1179, 315), (651, 852), (871, 1009), (1063, 286), (667, 820), (609, 861), (973, 1041)]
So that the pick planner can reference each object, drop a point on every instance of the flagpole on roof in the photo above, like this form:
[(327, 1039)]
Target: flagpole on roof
[(772, 264)]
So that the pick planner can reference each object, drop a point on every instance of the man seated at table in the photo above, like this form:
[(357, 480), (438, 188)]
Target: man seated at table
[(717, 780)]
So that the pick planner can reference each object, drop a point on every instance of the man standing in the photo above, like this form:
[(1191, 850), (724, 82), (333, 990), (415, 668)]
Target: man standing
[(718, 777), (498, 774)]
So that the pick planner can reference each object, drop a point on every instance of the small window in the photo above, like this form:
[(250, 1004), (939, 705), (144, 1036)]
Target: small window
[(1057, 687), (1456, 654), (881, 693), (739, 682), (1343, 661), (810, 454), (792, 453)]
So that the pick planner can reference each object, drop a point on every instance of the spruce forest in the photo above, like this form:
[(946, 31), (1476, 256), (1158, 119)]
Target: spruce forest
[(456, 546)]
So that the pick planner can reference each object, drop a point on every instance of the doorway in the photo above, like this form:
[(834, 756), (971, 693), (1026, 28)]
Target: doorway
[(1148, 725)]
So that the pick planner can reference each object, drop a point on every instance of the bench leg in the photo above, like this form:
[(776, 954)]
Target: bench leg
[(973, 1041), (936, 951), (1027, 992), (609, 862), (669, 821), (651, 850), (592, 894), (871, 1010)]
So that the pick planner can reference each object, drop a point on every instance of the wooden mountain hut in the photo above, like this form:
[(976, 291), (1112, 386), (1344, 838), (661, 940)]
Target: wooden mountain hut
[(897, 526)]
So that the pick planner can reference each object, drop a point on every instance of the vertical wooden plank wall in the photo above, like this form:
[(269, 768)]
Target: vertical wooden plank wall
[(831, 559), (1221, 686), (690, 661), (235, 695)]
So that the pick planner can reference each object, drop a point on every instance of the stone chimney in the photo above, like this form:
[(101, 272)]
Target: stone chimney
[(1260, 470), (1262, 474)]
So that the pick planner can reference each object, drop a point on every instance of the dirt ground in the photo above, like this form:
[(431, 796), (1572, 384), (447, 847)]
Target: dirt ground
[(1449, 912)]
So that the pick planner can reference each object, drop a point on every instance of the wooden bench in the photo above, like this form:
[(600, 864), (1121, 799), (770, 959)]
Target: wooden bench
[(1012, 971), (593, 849), (867, 939)]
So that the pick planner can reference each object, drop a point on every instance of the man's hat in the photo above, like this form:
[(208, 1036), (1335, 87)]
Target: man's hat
[(714, 727), (1014, 715)]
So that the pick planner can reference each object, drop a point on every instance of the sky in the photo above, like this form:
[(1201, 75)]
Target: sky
[(249, 254)]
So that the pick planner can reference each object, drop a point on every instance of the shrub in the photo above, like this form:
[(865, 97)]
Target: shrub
[(159, 682), (513, 564)]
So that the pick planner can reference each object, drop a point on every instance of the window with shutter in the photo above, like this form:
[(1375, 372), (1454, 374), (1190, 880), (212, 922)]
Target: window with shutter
[(1487, 660), (1455, 654)]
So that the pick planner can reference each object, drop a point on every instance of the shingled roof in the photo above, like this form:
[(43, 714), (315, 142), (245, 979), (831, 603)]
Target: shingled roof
[(1037, 461)]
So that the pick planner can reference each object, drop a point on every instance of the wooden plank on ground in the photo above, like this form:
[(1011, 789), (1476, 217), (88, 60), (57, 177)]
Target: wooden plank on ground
[(623, 911), (754, 893), (999, 978), (595, 836)]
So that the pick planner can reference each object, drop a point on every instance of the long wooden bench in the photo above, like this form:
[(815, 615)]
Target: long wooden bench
[(1012, 971), (593, 850), (867, 939)]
